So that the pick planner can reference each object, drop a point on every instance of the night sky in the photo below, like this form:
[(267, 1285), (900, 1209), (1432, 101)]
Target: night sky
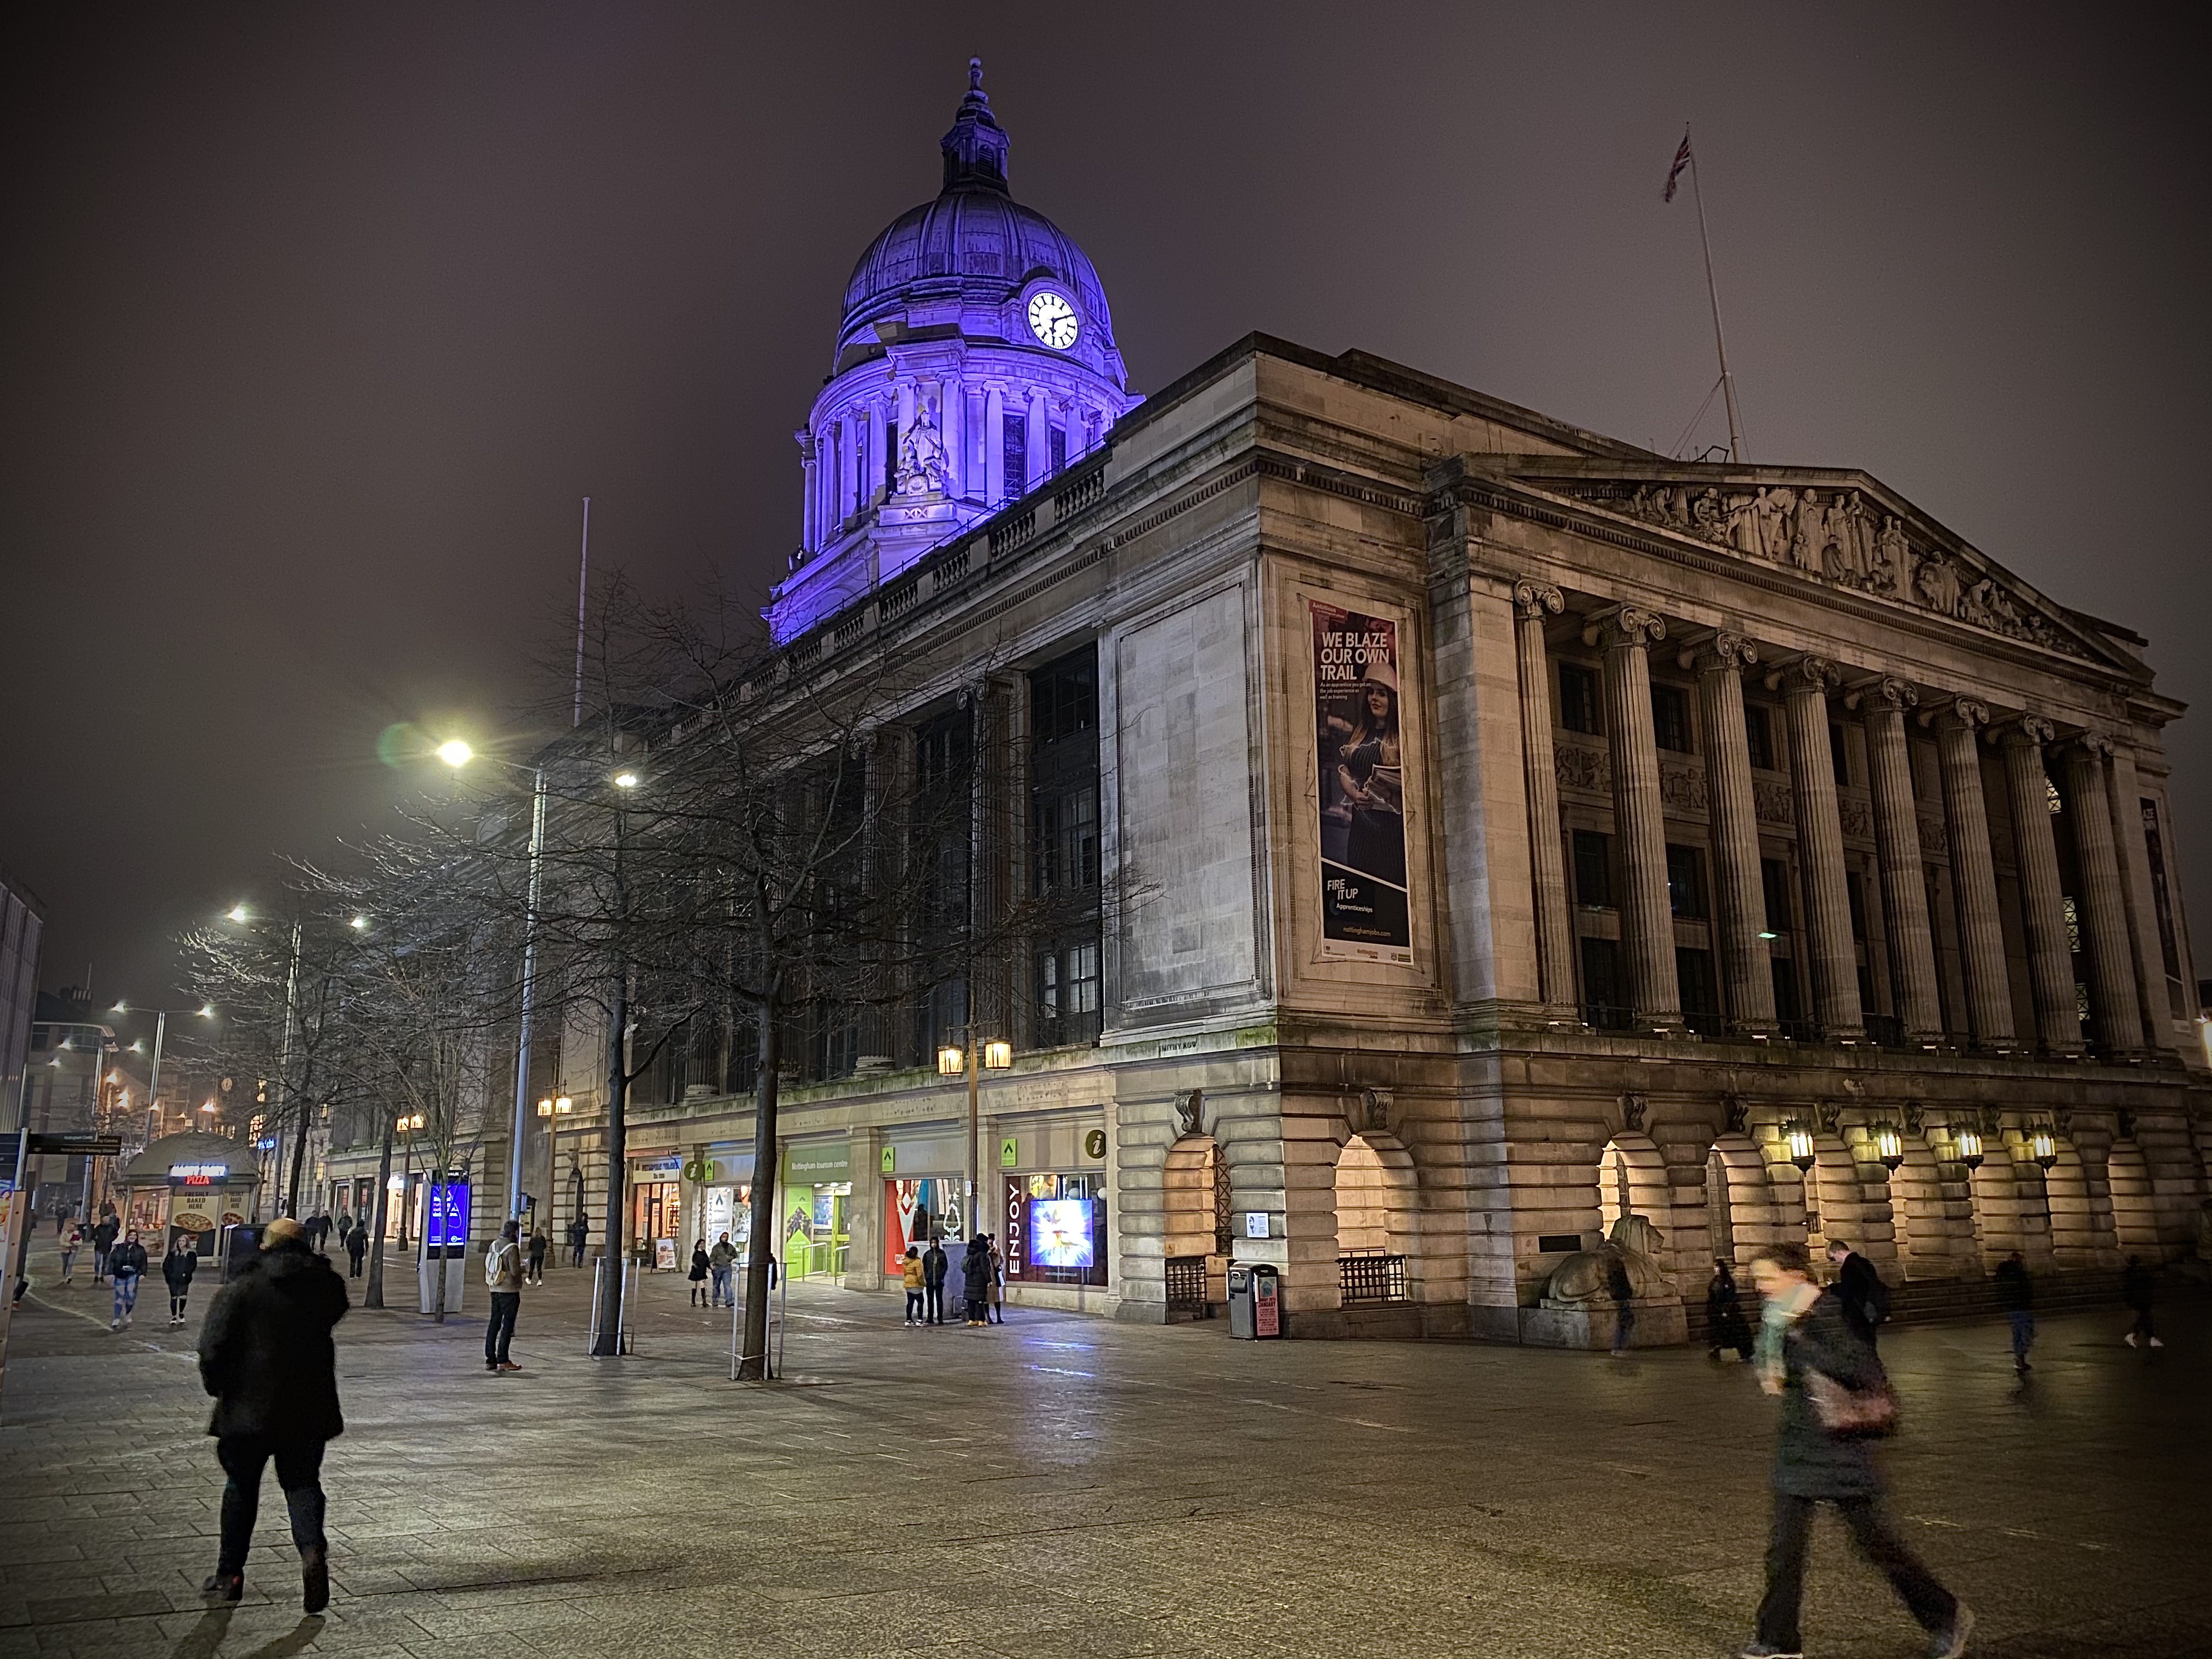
[(319, 321)]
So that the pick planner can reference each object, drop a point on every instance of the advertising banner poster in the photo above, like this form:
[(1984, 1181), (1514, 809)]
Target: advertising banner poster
[(1365, 914)]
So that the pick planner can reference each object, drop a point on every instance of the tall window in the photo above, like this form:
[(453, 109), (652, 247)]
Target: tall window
[(1604, 996), (1670, 718), (1578, 699), (1685, 883), (1840, 755), (1014, 445), (1593, 869), (1059, 449), (1063, 846), (1774, 886), (1758, 735), (890, 458), (1701, 1004)]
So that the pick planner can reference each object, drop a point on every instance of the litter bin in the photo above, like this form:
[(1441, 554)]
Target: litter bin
[(1256, 1306)]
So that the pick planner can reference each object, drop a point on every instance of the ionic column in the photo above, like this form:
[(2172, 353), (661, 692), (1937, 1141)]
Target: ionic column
[(1647, 919), (952, 409), (1040, 440), (1820, 849), (2157, 1007), (1746, 974), (809, 528), (1897, 839), (1966, 820), (1532, 601), (994, 445), (872, 463), (2042, 901), (2113, 996)]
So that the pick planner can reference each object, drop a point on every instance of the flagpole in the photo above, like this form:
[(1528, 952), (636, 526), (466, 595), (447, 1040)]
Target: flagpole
[(1713, 293)]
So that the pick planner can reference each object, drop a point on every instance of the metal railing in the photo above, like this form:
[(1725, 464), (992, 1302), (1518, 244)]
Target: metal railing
[(1371, 1276), (1185, 1284), (778, 1321), (625, 1317)]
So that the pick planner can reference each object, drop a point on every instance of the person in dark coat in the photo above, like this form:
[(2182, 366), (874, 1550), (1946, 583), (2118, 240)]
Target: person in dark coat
[(177, 1268), (103, 1242), (698, 1274), (1620, 1287), (267, 1357), (976, 1278), (2138, 1285), (2016, 1296), (934, 1261), (126, 1266), (580, 1234), (534, 1258), (1725, 1325), (1865, 1297), (1803, 1331), (356, 1245)]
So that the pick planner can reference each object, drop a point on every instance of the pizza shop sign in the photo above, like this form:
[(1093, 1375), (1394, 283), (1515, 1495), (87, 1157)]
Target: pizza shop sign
[(199, 1175)]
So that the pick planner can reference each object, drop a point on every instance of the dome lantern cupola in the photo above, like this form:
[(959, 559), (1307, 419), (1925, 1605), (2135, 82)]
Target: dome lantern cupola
[(976, 148)]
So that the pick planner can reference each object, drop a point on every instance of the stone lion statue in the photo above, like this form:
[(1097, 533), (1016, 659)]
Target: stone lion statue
[(1582, 1276)]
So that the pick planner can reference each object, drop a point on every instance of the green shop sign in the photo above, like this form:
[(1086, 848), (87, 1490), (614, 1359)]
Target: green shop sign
[(818, 1164)]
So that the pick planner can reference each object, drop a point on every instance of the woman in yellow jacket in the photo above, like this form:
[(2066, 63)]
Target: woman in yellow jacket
[(911, 1271)]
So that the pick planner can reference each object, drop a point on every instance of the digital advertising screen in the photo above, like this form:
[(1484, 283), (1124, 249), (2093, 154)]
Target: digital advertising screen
[(1060, 1232)]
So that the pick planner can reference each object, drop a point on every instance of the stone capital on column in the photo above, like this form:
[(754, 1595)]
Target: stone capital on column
[(1719, 649), (1954, 713), (1533, 600), (2027, 730), (1624, 624), (1884, 691)]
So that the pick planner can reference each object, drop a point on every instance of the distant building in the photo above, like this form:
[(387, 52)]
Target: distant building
[(22, 922), (68, 1089)]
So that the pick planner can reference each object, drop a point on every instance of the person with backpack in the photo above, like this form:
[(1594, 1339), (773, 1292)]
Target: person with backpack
[(503, 1279), (1865, 1297), (126, 1265), (1835, 1400), (267, 1357), (177, 1269)]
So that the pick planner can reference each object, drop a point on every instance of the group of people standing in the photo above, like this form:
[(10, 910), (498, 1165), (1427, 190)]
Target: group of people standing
[(983, 1281), (713, 1271)]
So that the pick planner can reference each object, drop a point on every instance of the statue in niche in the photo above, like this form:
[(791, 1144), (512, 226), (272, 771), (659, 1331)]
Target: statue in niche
[(921, 456), (1583, 1276), (1805, 537)]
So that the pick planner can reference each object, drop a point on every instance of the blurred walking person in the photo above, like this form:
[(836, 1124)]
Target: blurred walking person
[(1620, 1287), (2016, 1296), (1834, 1399), (357, 1247), (177, 1269), (2138, 1285), (126, 1266), (1725, 1325), (267, 1357)]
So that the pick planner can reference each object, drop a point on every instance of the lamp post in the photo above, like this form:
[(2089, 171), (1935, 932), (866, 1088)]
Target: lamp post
[(1889, 1147), (2043, 1148), (407, 1125), (973, 1058), (205, 1010), (553, 1109), (457, 754), (1802, 1153)]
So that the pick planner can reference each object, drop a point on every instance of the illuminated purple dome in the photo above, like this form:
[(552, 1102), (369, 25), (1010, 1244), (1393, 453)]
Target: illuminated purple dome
[(967, 255)]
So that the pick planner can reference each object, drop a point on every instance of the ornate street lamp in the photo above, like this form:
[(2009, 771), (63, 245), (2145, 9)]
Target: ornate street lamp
[(2043, 1148), (1889, 1148), (1800, 1141), (1970, 1148)]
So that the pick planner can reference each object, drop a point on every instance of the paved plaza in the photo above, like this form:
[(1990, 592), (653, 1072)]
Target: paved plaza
[(1065, 1486)]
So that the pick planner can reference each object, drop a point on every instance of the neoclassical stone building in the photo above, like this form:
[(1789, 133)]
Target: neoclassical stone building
[(1489, 828)]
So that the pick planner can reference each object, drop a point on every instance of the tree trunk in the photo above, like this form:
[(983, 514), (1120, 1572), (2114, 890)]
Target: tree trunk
[(299, 1154), (759, 1252), (609, 1342), (372, 1295)]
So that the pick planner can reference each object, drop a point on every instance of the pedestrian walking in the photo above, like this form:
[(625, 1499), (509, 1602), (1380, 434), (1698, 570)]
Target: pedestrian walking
[(539, 1244), (698, 1274), (267, 1357), (998, 1313), (345, 1229), (126, 1266), (911, 1271), (1725, 1325), (1834, 1392), (2138, 1283), (104, 1236), (177, 1269), (721, 1265), (503, 1279), (580, 1234), (976, 1278), (2016, 1296), (934, 1262), (1865, 1297), (1623, 1292), (72, 1242), (356, 1246)]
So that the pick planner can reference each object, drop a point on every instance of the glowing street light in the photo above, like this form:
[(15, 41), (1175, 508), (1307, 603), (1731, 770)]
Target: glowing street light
[(625, 779), (2043, 1148), (237, 913), (455, 753), (1889, 1147), (359, 924), (1969, 1145)]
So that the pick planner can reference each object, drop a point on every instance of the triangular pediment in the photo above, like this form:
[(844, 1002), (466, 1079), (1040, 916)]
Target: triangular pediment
[(1838, 529)]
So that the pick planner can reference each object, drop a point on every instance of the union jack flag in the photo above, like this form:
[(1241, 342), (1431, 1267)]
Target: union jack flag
[(1682, 160)]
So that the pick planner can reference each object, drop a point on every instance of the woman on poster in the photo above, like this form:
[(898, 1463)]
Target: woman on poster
[(1371, 779)]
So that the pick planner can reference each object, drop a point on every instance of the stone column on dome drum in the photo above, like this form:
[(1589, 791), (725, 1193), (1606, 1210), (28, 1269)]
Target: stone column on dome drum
[(2157, 1006), (2042, 900), (871, 461), (1746, 970), (994, 445), (809, 534), (1897, 837), (1040, 440), (1647, 921), (851, 458), (2111, 953), (1966, 820), (1820, 850), (1532, 601), (951, 408)]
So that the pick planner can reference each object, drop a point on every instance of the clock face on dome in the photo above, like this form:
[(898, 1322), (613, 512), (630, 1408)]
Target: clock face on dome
[(1053, 320)]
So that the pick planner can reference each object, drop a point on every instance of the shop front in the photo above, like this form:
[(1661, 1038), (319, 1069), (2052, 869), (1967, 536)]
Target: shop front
[(656, 1212), (723, 1177), (187, 1187), (924, 1177), (1053, 1184), (817, 1193)]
